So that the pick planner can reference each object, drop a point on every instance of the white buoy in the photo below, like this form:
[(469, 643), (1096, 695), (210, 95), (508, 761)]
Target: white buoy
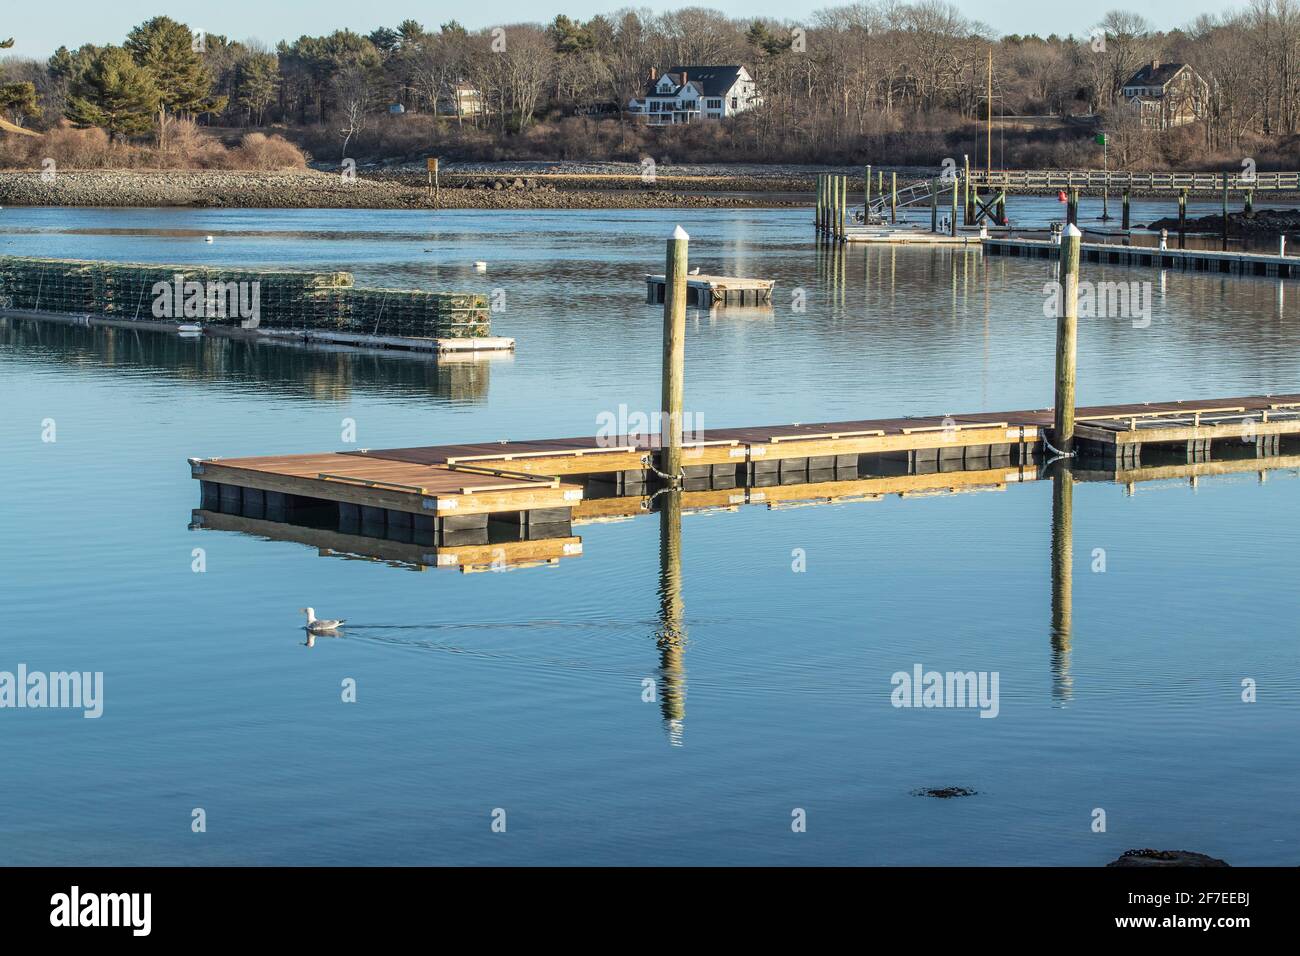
[(208, 239), (480, 266)]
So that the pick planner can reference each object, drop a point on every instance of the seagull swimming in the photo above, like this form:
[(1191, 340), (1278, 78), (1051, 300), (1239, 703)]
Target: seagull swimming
[(316, 626)]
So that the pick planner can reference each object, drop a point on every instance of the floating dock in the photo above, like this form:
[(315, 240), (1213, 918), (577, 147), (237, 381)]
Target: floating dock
[(706, 292), (506, 547), (1192, 260), (905, 236), (447, 494)]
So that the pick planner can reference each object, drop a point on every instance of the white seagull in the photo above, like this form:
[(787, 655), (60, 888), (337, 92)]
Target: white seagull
[(695, 271), (319, 627)]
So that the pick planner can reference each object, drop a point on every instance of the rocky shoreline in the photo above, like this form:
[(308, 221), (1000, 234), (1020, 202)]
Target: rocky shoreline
[(379, 189), (568, 185)]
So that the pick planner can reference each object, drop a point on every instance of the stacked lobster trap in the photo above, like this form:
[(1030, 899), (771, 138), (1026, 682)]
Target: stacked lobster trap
[(277, 299)]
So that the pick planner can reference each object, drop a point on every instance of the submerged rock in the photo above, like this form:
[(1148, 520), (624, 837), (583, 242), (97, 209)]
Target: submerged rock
[(1262, 222), (1165, 858), (944, 793)]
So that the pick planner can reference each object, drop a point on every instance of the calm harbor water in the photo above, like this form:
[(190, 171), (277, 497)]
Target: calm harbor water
[(523, 690)]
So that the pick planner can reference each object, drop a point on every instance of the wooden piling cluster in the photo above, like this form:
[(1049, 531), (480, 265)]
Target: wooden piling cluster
[(832, 205), (213, 295), (831, 217)]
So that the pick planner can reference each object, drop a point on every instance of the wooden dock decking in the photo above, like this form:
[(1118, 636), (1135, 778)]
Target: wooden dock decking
[(707, 291), (539, 486), (1195, 260)]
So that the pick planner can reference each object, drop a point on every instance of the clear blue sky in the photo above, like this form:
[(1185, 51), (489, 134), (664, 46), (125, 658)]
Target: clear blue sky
[(40, 27)]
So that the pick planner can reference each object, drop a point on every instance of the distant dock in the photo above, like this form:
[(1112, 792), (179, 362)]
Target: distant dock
[(1192, 260)]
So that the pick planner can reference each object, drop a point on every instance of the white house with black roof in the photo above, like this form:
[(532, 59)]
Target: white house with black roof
[(688, 94)]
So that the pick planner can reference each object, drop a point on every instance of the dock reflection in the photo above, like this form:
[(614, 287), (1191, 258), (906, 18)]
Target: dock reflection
[(283, 367)]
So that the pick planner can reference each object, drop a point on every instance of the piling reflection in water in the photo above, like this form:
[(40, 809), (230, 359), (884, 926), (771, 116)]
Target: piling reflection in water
[(671, 637), (1062, 581)]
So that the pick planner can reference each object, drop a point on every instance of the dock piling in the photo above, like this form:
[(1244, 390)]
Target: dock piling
[(866, 196), (674, 356), (831, 184), (844, 212), (826, 204), (1124, 213), (934, 205), (969, 211), (1225, 213), (1182, 219), (893, 197), (952, 224), (840, 182), (1067, 328)]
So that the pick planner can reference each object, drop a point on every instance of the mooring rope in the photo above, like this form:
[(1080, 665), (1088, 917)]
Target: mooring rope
[(647, 504), (1057, 453), (648, 461)]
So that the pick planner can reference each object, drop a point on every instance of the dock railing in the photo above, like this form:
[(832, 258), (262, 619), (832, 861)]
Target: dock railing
[(1096, 179)]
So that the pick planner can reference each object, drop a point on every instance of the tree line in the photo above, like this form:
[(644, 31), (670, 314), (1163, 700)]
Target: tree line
[(847, 74)]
